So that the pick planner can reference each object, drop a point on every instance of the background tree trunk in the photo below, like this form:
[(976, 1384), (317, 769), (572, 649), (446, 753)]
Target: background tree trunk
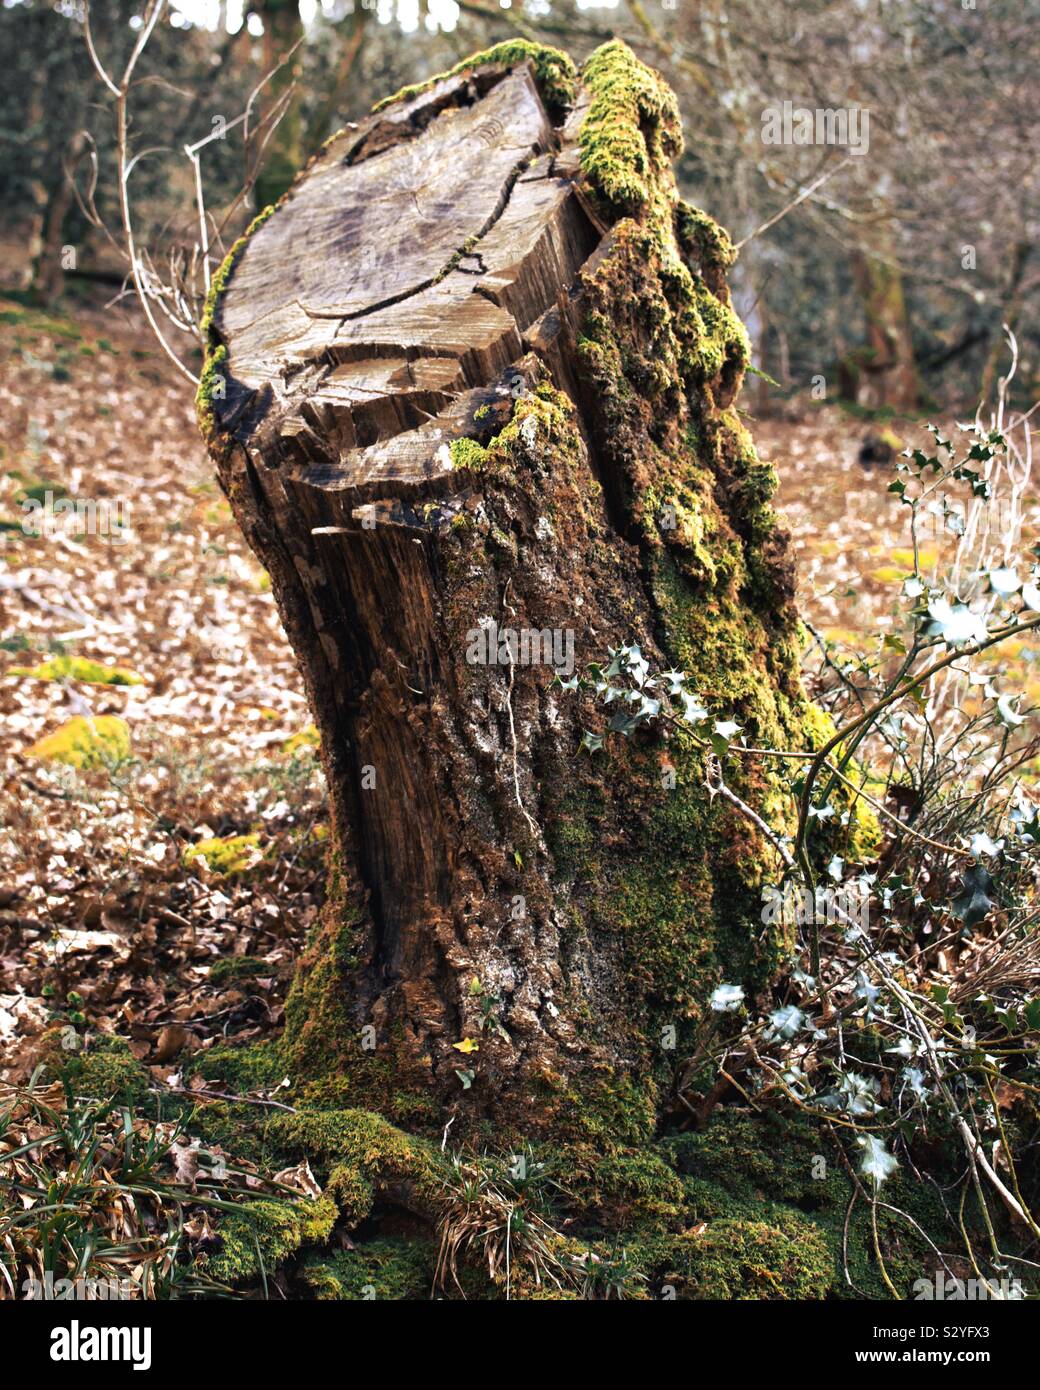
[(283, 29), (882, 375), (479, 369)]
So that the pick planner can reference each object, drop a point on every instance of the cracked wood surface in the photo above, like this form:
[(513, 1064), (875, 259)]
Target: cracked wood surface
[(404, 274)]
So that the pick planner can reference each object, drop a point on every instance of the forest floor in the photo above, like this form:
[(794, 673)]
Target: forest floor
[(99, 891)]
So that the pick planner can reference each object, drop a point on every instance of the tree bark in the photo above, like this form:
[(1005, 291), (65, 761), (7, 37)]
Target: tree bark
[(283, 30), (477, 369), (883, 374)]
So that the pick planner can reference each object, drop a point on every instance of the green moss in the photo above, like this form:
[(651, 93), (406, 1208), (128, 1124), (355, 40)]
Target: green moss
[(322, 1043), (788, 1259), (224, 271), (632, 131), (550, 414), (624, 1189), (467, 453), (243, 1068), (607, 1107), (212, 387), (390, 1268), (379, 1154), (259, 1238), (553, 70), (107, 1070), (229, 854), (703, 241), (859, 839), (664, 354), (229, 970), (773, 1167), (212, 383), (236, 1129)]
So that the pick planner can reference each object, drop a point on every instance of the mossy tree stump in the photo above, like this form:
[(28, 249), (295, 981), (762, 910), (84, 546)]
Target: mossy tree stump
[(479, 367)]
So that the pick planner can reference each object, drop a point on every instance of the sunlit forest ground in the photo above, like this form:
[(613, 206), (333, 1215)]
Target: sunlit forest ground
[(100, 893)]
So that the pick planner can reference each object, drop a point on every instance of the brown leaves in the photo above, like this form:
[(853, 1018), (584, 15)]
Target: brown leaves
[(301, 1178), (171, 1040), (94, 896), (185, 1159)]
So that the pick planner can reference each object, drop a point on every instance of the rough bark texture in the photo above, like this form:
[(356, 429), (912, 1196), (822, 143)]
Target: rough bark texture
[(480, 365), (882, 375)]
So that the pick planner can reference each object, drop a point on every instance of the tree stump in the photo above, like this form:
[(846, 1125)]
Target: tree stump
[(470, 391)]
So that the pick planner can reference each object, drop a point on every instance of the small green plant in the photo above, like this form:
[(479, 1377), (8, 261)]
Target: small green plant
[(98, 1201), (614, 1275), (500, 1211)]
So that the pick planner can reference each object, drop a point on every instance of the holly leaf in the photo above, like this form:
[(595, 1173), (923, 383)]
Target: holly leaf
[(981, 844), (1032, 1014), (1007, 714), (693, 711), (974, 902), (954, 623), (786, 1022), (877, 1163), (726, 999)]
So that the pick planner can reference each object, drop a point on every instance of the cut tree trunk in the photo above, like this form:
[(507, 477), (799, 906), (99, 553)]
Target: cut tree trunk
[(470, 391)]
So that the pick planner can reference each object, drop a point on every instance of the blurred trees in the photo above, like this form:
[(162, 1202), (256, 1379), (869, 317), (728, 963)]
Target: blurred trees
[(891, 279)]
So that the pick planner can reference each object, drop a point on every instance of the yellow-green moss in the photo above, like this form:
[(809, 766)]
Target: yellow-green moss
[(391, 1269), (229, 970), (229, 854), (362, 1153), (783, 1172), (467, 453), (215, 358), (624, 1189), (632, 131), (106, 1070), (213, 377), (553, 70), (249, 1067), (222, 275), (785, 1259), (257, 1239)]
